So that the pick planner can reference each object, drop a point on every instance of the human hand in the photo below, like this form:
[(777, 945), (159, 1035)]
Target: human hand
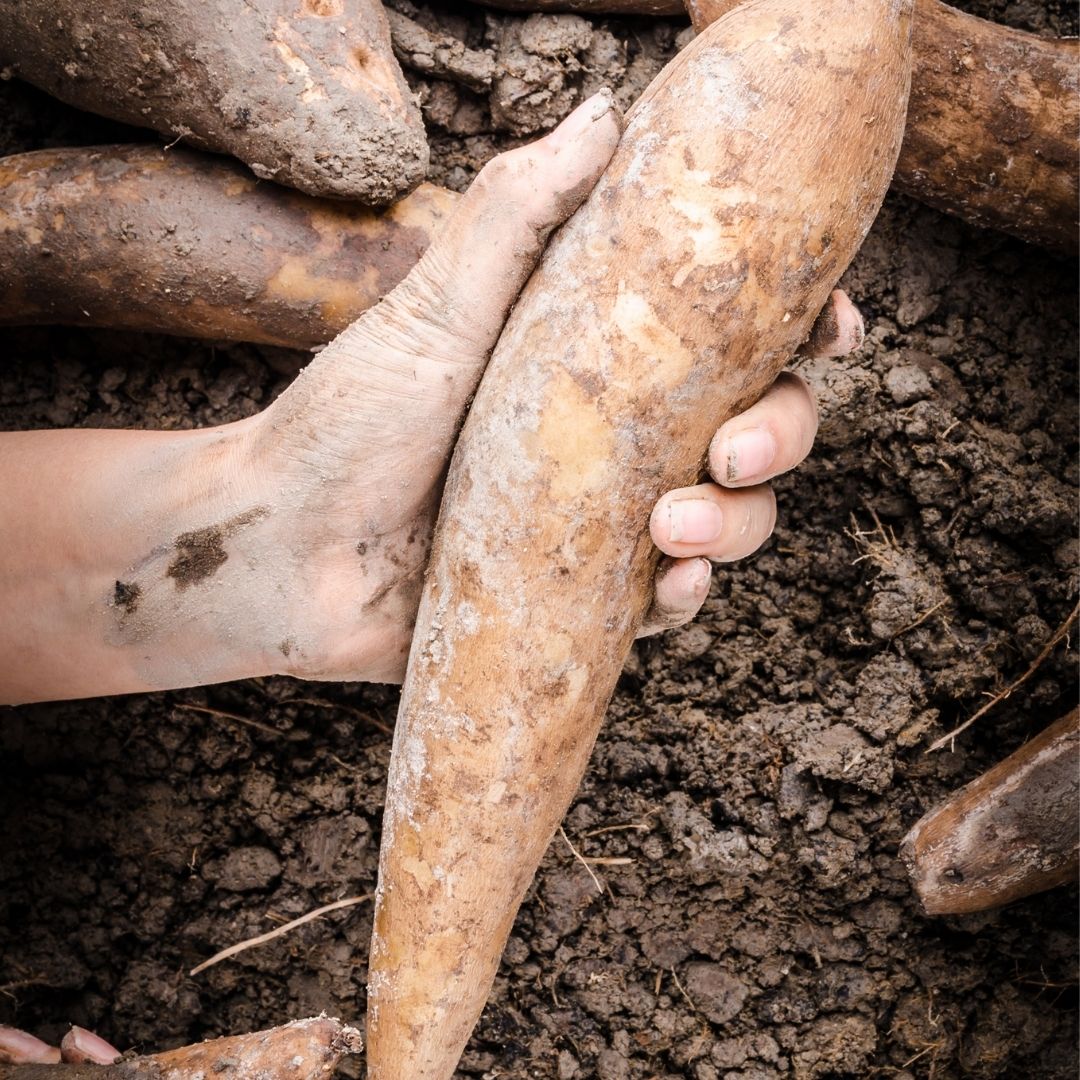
[(733, 516), (357, 448)]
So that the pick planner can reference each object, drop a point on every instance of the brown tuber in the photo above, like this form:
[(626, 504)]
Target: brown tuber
[(993, 123), (748, 176), (1009, 833), (179, 242), (307, 93), (301, 1050)]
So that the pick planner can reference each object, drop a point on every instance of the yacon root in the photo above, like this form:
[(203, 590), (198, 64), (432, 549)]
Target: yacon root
[(179, 242), (747, 178), (305, 92), (993, 123), (1011, 832), (301, 1050)]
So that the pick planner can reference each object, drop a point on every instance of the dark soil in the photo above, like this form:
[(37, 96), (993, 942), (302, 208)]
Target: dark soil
[(758, 768)]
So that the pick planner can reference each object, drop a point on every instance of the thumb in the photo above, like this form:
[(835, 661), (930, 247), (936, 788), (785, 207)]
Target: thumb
[(453, 304)]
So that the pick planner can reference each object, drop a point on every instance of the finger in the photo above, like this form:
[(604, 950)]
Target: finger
[(712, 522), (462, 288), (80, 1046), (770, 438), (682, 586), (838, 331), (20, 1048)]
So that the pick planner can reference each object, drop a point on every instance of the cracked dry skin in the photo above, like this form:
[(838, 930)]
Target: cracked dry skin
[(756, 771)]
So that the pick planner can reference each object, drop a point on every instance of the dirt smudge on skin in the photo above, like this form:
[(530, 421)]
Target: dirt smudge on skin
[(201, 552), (126, 595)]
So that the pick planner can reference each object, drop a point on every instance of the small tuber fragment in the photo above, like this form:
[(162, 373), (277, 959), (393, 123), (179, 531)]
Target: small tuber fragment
[(301, 1050), (1009, 833), (440, 55), (305, 92), (747, 178), (179, 242)]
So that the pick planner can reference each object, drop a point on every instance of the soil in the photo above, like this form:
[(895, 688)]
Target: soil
[(758, 768)]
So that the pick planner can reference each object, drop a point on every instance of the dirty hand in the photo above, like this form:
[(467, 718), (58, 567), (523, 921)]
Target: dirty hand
[(386, 399)]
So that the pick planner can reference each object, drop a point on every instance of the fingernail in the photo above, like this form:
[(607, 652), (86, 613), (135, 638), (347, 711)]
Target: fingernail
[(750, 453), (92, 1047), (20, 1048), (850, 321), (694, 521), (582, 118), (703, 578)]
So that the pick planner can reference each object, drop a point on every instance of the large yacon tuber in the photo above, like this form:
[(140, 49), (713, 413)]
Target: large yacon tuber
[(307, 93), (993, 123), (747, 178), (139, 238), (301, 1050)]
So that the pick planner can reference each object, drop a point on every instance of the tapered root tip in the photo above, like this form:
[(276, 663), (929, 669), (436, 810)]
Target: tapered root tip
[(306, 1049)]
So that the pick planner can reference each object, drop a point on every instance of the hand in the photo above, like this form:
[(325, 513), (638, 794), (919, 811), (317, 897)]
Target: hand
[(294, 542), (78, 1046), (366, 434), (729, 519)]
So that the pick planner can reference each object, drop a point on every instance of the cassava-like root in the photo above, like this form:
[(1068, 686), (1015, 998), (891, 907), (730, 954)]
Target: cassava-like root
[(301, 1050), (1009, 833), (748, 176), (993, 130), (179, 242), (305, 92)]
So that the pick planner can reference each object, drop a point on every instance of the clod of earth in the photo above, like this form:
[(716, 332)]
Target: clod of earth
[(440, 55), (1012, 832), (185, 243), (761, 172), (308, 94), (304, 1050)]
